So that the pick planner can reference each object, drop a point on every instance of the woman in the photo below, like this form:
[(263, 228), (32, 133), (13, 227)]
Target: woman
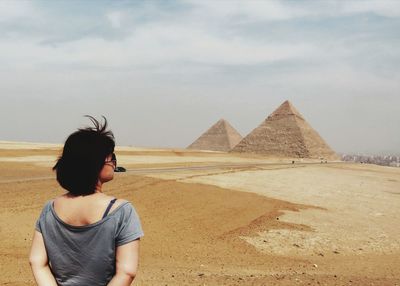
[(86, 237)]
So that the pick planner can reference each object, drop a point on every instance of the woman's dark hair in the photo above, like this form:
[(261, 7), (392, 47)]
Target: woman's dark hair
[(83, 157)]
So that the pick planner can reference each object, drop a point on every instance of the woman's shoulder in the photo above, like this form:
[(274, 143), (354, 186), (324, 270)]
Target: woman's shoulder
[(121, 205), (120, 202), (47, 206), (47, 209)]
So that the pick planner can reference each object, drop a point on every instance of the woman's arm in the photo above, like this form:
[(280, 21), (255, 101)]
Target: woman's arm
[(127, 259), (39, 262)]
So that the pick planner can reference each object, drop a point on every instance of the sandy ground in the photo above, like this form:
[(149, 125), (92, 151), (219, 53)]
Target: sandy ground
[(280, 224), (358, 206)]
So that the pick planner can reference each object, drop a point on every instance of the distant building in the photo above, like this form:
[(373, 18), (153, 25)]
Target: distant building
[(388, 160)]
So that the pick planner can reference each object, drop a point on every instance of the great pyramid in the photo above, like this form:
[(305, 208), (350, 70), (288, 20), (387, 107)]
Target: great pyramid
[(285, 133), (220, 137)]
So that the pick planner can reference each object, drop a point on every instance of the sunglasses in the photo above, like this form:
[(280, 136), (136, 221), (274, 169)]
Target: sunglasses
[(113, 160)]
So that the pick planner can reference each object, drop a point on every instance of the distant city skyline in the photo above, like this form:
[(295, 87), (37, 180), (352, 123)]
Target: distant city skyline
[(163, 72)]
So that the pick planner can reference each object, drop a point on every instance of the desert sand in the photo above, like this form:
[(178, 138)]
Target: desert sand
[(235, 220)]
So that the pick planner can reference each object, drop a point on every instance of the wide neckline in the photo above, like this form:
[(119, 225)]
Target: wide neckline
[(53, 211)]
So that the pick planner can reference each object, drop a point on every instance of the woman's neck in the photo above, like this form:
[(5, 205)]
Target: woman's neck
[(98, 189)]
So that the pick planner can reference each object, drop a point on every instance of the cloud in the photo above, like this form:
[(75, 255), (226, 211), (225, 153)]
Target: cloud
[(150, 45), (15, 10), (386, 8), (283, 10), (247, 10), (115, 18), (194, 33)]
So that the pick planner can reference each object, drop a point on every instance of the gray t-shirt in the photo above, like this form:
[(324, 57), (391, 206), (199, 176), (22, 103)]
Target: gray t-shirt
[(85, 255)]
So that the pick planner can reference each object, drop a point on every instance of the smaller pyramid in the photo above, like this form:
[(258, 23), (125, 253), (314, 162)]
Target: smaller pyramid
[(219, 137), (285, 133)]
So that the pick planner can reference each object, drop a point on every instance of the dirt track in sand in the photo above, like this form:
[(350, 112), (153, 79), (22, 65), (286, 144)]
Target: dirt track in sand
[(192, 235)]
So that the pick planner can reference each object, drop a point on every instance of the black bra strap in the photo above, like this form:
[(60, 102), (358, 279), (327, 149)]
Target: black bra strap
[(109, 207)]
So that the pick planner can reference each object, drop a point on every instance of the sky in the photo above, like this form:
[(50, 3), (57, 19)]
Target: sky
[(163, 72)]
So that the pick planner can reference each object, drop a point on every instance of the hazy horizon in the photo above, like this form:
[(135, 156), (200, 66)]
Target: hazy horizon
[(163, 72)]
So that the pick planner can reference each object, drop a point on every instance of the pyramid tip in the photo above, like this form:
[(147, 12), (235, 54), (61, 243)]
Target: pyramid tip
[(286, 108), (221, 121)]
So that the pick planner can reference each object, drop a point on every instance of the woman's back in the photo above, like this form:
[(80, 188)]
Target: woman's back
[(80, 243), (83, 210)]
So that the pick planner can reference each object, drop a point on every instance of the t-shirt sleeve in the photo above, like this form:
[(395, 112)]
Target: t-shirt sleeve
[(129, 226), (40, 220), (37, 225)]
